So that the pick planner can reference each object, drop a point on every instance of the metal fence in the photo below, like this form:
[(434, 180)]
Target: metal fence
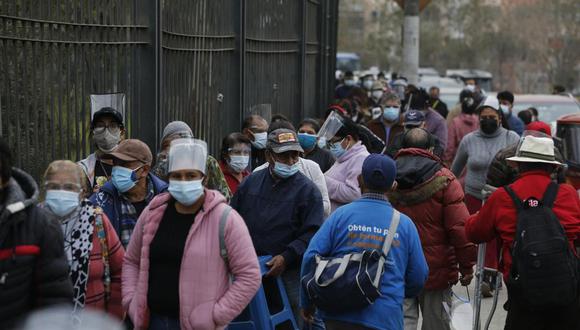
[(205, 62)]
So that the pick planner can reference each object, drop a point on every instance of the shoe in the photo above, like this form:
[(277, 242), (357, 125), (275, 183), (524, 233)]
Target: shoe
[(486, 290)]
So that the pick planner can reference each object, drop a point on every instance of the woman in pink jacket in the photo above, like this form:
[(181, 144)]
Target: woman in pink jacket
[(174, 276), (350, 153)]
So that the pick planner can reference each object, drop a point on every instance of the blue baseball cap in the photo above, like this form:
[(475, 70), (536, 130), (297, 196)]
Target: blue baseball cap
[(414, 118), (379, 171)]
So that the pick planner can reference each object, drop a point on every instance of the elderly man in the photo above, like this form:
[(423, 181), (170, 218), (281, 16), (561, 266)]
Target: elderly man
[(413, 119), (131, 188), (433, 198), (282, 209), (255, 128)]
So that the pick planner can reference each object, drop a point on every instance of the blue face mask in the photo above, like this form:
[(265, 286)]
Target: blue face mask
[(307, 141), (124, 178), (62, 202), (391, 114), (285, 171), (337, 149), (239, 163), (186, 192), (260, 140)]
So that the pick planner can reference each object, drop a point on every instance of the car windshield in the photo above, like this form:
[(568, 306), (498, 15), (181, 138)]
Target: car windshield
[(451, 99), (548, 113)]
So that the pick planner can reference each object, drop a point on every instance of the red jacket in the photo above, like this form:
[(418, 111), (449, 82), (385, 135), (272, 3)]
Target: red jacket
[(498, 216), (232, 181), (433, 198)]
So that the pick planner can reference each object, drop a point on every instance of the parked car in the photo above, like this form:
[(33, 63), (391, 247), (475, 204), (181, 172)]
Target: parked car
[(550, 107)]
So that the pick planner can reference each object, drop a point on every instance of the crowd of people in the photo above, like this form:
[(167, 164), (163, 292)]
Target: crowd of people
[(172, 240)]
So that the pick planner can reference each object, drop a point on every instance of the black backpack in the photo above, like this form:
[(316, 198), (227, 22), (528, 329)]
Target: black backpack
[(544, 269)]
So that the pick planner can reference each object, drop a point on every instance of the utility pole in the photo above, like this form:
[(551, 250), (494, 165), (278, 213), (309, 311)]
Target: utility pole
[(411, 41)]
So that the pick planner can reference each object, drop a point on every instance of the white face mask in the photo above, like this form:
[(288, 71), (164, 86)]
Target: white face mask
[(377, 95), (470, 87), (377, 112), (368, 84), (505, 109)]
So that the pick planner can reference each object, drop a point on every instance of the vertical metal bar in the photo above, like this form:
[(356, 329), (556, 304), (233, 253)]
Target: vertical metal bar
[(150, 76), (241, 46), (303, 58)]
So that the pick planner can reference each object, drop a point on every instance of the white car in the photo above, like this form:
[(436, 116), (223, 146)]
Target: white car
[(550, 107)]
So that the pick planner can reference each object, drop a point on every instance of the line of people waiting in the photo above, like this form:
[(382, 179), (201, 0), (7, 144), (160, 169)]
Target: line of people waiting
[(138, 236)]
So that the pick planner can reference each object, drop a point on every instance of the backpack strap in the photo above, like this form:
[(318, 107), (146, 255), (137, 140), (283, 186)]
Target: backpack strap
[(550, 194), (514, 197), (222, 235), (387, 244), (102, 235)]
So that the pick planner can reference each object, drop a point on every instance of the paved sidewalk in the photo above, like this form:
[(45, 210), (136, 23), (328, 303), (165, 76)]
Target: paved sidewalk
[(498, 320)]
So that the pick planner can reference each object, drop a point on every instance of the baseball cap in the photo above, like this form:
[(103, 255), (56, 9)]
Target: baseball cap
[(282, 140), (132, 150), (414, 118), (379, 171), (108, 111)]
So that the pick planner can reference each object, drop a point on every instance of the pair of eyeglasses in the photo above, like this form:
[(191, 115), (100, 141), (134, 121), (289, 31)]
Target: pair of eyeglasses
[(112, 127), (74, 187)]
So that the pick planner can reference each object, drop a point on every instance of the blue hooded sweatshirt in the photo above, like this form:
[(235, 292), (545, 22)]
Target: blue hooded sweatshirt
[(360, 225)]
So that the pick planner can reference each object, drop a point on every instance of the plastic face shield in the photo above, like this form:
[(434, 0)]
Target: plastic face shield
[(115, 101), (330, 127), (262, 110), (187, 154)]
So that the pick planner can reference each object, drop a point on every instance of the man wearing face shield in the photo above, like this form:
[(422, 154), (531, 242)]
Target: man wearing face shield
[(107, 130), (183, 282), (282, 209), (255, 128), (130, 189), (389, 124), (463, 124), (344, 141), (215, 177)]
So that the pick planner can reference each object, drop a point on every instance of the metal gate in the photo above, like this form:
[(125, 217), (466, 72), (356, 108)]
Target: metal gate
[(201, 61)]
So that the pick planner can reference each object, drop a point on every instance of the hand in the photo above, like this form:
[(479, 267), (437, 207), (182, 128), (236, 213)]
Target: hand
[(466, 279), (307, 314), (277, 266)]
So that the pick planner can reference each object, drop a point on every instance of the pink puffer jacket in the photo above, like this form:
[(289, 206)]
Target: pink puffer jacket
[(207, 299)]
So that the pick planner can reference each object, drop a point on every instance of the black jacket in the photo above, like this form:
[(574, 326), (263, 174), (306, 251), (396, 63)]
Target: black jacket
[(33, 266)]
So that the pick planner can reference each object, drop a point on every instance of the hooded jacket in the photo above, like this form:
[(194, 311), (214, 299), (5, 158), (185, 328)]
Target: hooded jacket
[(432, 197), (207, 299), (33, 266), (341, 179), (459, 127)]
